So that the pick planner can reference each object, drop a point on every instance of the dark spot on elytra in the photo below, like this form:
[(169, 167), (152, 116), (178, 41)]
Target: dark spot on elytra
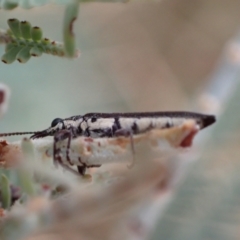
[(116, 126), (117, 123), (134, 127), (86, 132), (93, 119), (79, 130)]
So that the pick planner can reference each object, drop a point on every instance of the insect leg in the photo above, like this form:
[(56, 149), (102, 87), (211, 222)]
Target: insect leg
[(84, 166), (58, 137), (68, 168), (82, 169), (127, 133)]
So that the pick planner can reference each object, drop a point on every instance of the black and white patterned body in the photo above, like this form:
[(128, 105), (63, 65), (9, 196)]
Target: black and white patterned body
[(107, 125), (111, 124)]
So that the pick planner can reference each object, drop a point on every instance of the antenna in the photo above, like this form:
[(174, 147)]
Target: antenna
[(15, 133)]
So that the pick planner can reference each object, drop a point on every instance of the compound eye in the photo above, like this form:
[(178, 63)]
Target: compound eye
[(56, 121)]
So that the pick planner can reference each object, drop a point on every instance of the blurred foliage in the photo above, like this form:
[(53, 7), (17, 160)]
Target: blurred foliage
[(24, 41)]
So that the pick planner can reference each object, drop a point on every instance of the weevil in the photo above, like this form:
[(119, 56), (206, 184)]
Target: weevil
[(108, 125)]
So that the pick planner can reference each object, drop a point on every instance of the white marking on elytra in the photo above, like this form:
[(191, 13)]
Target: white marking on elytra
[(144, 124), (83, 125), (162, 122), (127, 123), (72, 123), (101, 123), (177, 121)]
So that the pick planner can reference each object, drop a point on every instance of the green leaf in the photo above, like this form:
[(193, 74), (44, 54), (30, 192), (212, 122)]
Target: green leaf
[(35, 51), (36, 34), (24, 55), (46, 41), (23, 41), (24, 175), (71, 14), (25, 182), (5, 192), (25, 28), (10, 56), (14, 25), (9, 46)]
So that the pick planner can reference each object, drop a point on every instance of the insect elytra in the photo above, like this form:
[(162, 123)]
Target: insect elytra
[(107, 125)]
